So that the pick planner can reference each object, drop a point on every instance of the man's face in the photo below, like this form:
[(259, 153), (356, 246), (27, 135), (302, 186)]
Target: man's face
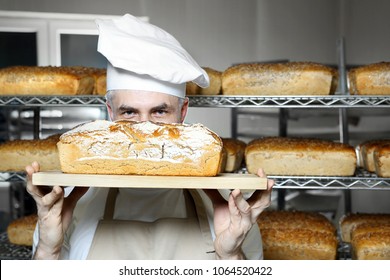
[(146, 106)]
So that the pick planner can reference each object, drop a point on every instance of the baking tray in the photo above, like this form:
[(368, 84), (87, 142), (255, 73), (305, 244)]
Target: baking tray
[(9, 251), (245, 182)]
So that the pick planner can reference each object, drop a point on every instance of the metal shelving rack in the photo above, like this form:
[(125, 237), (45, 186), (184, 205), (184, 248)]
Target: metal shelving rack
[(361, 180)]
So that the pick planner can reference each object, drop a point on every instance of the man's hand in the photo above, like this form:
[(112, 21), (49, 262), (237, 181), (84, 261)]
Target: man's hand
[(234, 219), (54, 214)]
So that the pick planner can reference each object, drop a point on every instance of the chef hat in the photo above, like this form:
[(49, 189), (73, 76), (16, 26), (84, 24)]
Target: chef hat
[(142, 56)]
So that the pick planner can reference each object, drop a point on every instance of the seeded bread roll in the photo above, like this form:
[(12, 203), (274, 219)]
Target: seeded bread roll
[(292, 78), (235, 150), (382, 160), (372, 246), (45, 80), (213, 89), (142, 148), (15, 155), (371, 79), (300, 156), (297, 235), (21, 231)]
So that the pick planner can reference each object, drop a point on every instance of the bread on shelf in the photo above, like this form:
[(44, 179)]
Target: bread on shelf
[(297, 235), (235, 150), (141, 148), (21, 231), (370, 79), (45, 80), (289, 78), (215, 87), (294, 156), (382, 160), (367, 149), (350, 221), (15, 155)]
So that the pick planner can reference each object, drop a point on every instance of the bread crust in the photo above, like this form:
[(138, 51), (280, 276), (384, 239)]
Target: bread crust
[(15, 155), (215, 87), (142, 148), (297, 235), (371, 79), (21, 231), (45, 80), (300, 156), (367, 149), (349, 221), (382, 160), (291, 78), (235, 150)]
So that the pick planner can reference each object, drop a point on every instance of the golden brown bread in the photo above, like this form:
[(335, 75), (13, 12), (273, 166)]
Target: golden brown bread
[(291, 78), (349, 221), (382, 160), (371, 79), (367, 149), (300, 156), (143, 148), (21, 231), (371, 246), (215, 87), (15, 155), (45, 80), (297, 235), (235, 150)]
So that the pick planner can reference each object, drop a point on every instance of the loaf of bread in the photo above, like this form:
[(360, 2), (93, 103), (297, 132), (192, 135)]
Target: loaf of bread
[(350, 221), (297, 235), (371, 79), (142, 148), (98, 75), (235, 150), (15, 155), (45, 80), (382, 160), (300, 157), (372, 246), (21, 231), (215, 87), (367, 149), (292, 78)]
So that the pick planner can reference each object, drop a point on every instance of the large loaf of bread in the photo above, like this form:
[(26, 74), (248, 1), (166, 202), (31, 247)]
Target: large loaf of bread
[(21, 231), (297, 235), (143, 148), (292, 78), (15, 155), (215, 87), (371, 79), (300, 157), (45, 80)]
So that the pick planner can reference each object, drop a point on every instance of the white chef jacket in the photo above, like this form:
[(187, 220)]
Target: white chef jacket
[(145, 205)]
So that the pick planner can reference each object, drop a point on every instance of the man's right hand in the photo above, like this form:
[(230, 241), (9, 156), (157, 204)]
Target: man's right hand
[(54, 214)]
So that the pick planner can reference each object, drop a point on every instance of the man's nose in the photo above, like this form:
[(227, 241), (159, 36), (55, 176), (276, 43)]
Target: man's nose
[(144, 118)]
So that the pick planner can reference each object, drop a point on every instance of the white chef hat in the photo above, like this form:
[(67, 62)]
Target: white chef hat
[(142, 56)]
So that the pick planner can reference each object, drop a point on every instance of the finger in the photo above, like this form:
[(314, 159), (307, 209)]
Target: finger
[(261, 173), (239, 202), (53, 197)]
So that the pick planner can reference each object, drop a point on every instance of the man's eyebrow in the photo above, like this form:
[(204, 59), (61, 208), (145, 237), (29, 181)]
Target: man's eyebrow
[(124, 108), (161, 107)]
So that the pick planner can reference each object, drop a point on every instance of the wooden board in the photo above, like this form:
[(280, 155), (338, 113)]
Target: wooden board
[(222, 181)]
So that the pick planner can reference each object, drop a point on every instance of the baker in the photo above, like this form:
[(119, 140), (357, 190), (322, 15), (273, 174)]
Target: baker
[(146, 77)]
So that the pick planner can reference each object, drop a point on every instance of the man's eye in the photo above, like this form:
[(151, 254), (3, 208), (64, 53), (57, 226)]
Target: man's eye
[(160, 112)]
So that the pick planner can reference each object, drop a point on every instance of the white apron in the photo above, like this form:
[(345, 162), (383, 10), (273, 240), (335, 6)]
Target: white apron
[(166, 238)]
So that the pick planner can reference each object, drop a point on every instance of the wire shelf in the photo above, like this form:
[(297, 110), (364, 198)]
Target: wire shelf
[(334, 101)]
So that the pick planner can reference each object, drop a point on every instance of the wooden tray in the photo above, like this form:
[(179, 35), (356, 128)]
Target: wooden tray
[(222, 181)]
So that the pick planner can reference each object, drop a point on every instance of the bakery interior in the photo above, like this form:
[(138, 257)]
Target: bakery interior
[(218, 34)]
